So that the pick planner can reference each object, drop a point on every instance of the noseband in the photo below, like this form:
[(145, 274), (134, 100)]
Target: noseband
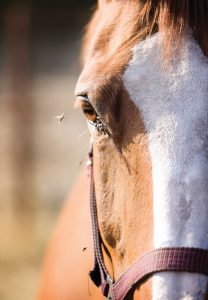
[(176, 259)]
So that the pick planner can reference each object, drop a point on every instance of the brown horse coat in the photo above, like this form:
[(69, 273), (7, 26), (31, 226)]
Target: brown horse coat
[(65, 270)]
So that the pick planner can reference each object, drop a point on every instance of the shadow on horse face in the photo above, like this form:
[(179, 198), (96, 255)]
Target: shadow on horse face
[(121, 162)]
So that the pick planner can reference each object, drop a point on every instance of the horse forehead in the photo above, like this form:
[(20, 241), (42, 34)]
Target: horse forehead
[(172, 88), (107, 45), (172, 100)]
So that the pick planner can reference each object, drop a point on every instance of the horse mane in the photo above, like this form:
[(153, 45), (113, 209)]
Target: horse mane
[(175, 17)]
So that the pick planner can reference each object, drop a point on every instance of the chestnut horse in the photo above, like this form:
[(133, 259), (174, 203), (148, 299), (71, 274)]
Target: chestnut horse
[(145, 80)]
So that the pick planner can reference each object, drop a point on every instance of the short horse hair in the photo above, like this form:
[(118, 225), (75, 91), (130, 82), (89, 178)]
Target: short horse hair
[(175, 17)]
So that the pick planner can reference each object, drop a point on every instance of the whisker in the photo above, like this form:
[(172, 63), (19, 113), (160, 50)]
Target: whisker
[(83, 133), (89, 285)]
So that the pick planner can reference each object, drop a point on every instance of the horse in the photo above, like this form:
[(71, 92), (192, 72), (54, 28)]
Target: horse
[(144, 92)]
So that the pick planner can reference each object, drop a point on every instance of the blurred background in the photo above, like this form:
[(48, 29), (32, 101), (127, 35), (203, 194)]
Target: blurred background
[(40, 158)]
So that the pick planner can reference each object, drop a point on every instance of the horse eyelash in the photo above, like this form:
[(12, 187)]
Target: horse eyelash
[(100, 126)]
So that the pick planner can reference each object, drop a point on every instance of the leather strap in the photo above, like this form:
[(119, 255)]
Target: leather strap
[(160, 260), (176, 259), (99, 274)]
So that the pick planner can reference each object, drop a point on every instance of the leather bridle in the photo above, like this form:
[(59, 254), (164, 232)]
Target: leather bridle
[(176, 259)]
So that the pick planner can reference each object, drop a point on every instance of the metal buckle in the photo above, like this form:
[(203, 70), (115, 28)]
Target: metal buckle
[(110, 283)]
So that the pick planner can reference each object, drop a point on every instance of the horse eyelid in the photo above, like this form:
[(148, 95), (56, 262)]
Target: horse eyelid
[(100, 126), (83, 98), (99, 122)]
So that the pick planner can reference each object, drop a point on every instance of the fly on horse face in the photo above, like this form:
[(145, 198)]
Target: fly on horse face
[(144, 92)]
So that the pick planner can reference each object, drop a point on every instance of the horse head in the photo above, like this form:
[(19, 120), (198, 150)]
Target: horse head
[(145, 79)]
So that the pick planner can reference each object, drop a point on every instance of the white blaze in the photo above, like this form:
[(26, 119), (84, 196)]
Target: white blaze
[(173, 102)]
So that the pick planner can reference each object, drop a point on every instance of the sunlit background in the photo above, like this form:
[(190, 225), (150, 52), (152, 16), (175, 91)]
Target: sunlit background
[(39, 157)]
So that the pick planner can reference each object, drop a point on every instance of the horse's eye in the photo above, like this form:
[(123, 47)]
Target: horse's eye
[(92, 116), (89, 111)]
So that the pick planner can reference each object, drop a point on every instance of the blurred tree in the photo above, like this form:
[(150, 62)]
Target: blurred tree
[(19, 20), (17, 34)]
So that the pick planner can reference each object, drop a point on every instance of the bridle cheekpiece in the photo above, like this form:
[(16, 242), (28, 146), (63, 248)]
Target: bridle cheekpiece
[(175, 259)]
